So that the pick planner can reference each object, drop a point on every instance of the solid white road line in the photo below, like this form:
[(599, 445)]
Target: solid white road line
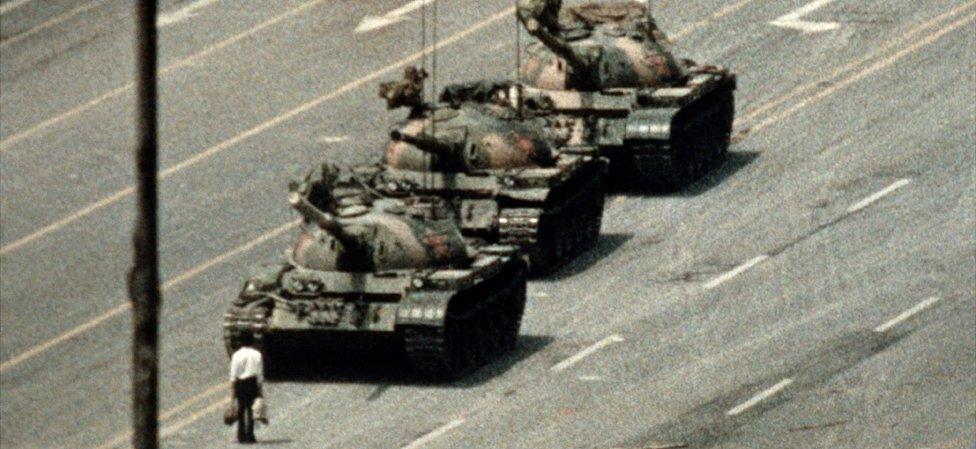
[(185, 62), (419, 442), (792, 19), (735, 271), (50, 23), (878, 195), (585, 353), (759, 397), (186, 12), (907, 314)]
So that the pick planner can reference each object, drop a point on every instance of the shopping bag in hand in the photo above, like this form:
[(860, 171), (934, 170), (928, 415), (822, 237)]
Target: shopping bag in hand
[(230, 413), (260, 410)]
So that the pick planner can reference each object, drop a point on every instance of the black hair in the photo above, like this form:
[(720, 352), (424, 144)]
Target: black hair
[(245, 338)]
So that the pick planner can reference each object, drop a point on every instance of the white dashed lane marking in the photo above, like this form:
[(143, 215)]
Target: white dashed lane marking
[(906, 314), (878, 195), (333, 139), (763, 395), (433, 434), (735, 271), (586, 353)]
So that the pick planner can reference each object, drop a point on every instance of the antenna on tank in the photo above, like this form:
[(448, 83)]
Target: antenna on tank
[(423, 67), (433, 78), (518, 62), (427, 178)]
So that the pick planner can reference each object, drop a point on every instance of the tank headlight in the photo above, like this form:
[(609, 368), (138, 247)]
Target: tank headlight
[(417, 283), (509, 181)]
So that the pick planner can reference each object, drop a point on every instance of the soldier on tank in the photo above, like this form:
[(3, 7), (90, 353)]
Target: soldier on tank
[(407, 92)]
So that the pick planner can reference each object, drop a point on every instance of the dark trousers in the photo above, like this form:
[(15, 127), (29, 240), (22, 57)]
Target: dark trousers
[(246, 391)]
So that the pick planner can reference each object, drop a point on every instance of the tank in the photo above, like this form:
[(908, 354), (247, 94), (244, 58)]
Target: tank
[(508, 176), (395, 272), (606, 68)]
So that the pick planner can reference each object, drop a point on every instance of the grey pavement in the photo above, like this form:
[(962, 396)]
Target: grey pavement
[(852, 111)]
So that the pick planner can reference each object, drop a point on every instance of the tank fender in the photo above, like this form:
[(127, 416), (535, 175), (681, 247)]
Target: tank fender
[(650, 124), (423, 307)]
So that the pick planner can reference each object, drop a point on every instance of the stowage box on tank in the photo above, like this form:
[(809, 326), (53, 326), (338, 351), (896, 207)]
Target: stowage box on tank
[(395, 270), (503, 174), (606, 68)]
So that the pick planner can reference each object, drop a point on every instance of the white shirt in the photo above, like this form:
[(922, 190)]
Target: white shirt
[(246, 362)]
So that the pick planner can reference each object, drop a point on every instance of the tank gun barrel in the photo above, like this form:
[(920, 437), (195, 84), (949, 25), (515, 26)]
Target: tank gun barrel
[(328, 222), (557, 45), (425, 142)]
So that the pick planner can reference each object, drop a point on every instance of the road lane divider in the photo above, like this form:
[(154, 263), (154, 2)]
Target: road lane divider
[(50, 23), (870, 199), (127, 88), (793, 19), (906, 314), (328, 140), (434, 434), (184, 13), (722, 12), (870, 70), (122, 438), (576, 358), (371, 23), (125, 306), (759, 397), (743, 267), (12, 5), (895, 43), (259, 129)]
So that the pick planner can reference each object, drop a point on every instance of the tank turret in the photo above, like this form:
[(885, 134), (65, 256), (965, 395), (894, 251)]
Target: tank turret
[(369, 235), (593, 47), (467, 137)]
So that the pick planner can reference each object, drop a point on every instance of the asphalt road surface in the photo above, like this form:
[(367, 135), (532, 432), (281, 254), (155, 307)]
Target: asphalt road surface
[(816, 291)]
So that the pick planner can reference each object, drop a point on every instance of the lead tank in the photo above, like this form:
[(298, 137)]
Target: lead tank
[(605, 67), (388, 271), (505, 174)]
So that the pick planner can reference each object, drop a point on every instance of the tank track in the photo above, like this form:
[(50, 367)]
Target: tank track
[(481, 323), (555, 235), (699, 141)]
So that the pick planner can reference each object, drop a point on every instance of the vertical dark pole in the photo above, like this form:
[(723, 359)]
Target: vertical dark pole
[(144, 277)]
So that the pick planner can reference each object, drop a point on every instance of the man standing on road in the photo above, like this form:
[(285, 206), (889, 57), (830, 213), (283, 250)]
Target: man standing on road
[(246, 375)]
